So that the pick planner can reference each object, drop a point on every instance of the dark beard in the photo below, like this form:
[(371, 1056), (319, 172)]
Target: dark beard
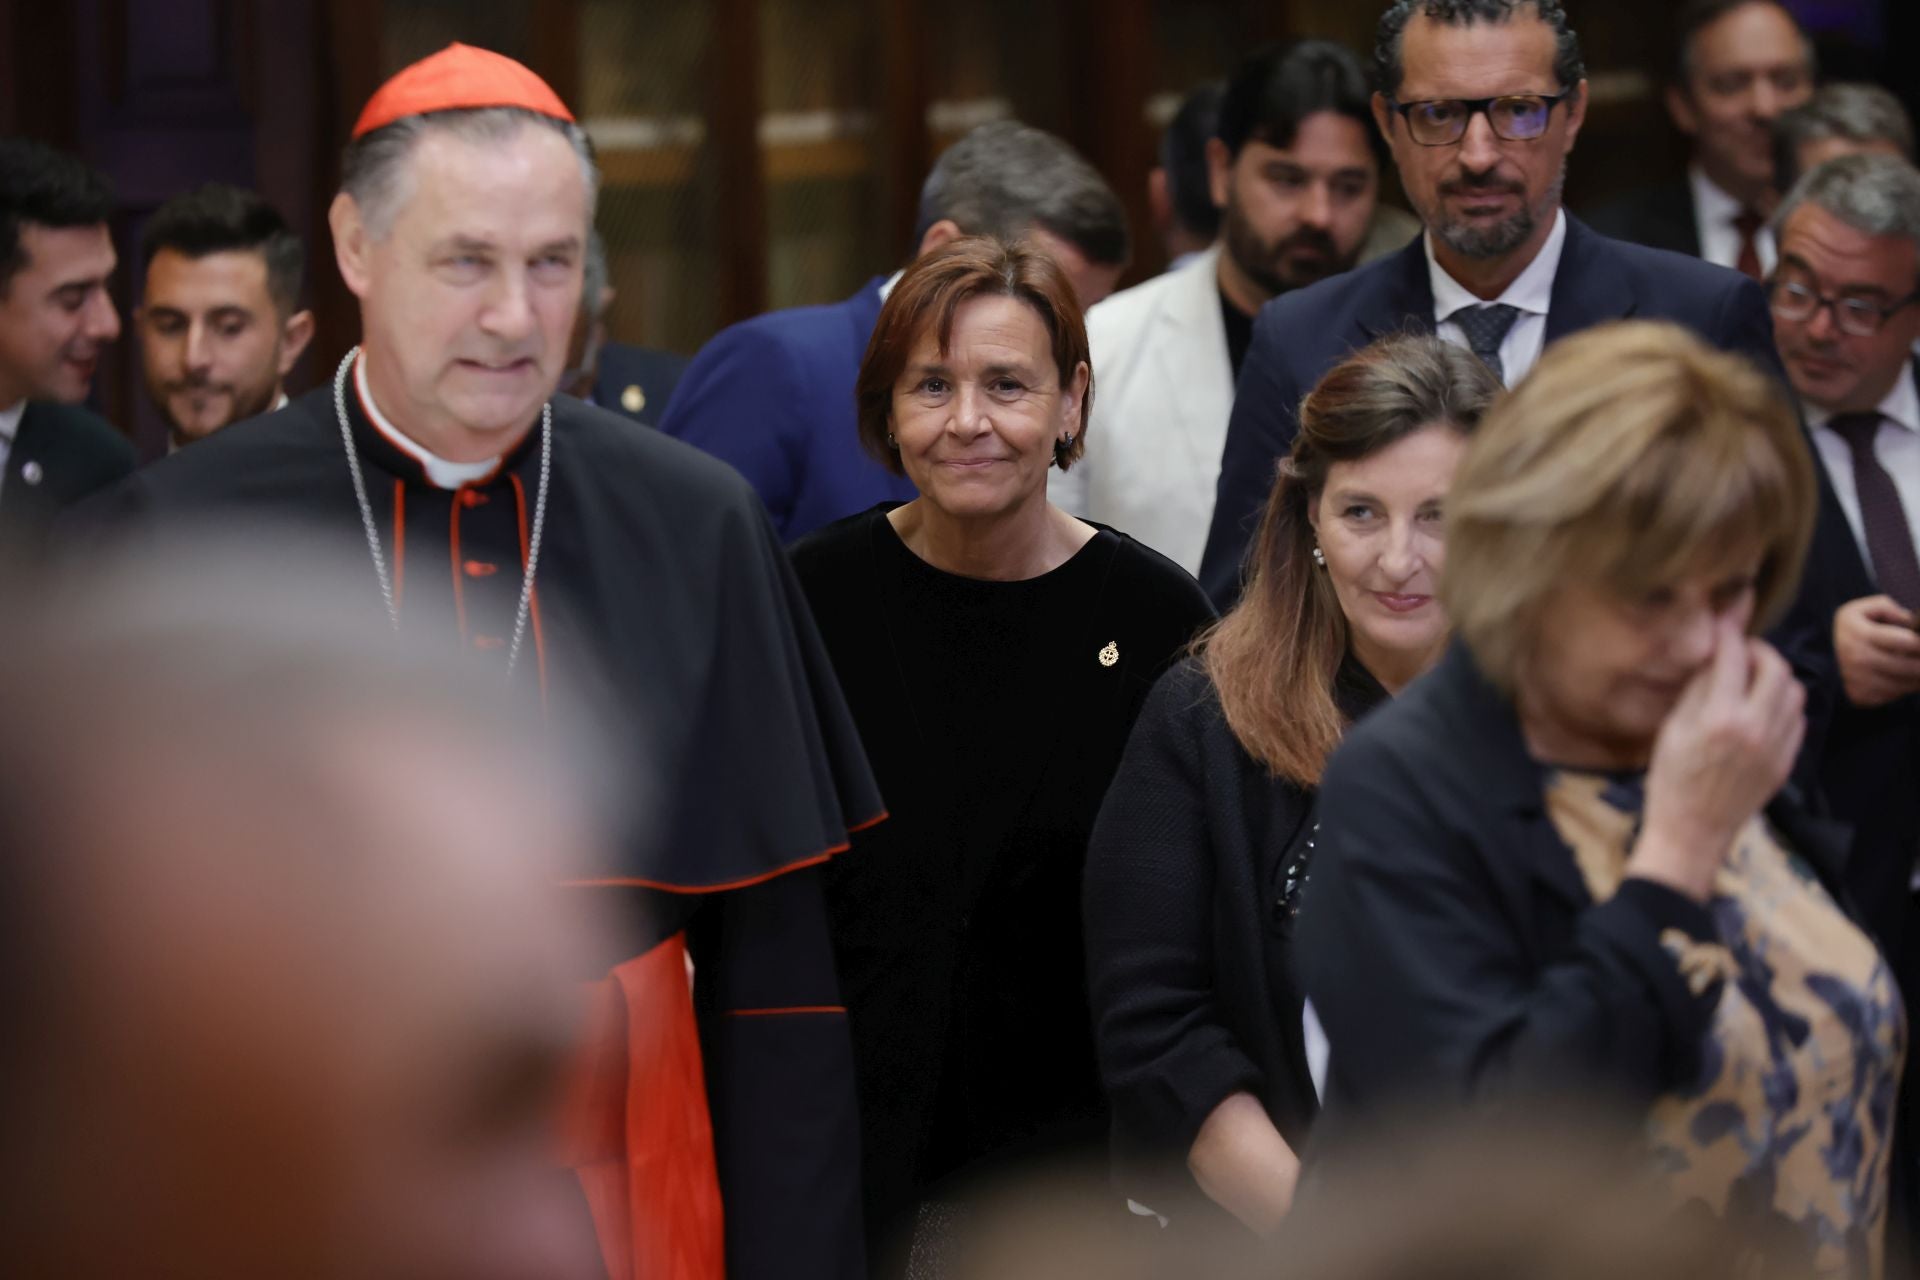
[(1265, 264), (1503, 237)]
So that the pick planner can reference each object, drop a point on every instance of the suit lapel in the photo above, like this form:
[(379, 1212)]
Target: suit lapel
[(1588, 289), (1190, 343), (1405, 301), (30, 502)]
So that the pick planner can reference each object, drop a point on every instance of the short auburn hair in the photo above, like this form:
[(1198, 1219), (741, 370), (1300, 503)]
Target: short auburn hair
[(1633, 454), (925, 299)]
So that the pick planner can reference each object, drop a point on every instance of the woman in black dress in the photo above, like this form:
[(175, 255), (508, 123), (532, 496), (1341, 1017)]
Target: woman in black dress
[(994, 651), (1204, 844)]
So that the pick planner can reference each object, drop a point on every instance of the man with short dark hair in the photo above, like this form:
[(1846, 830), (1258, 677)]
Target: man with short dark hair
[(1481, 102), (773, 396), (220, 319), (1294, 166), (1841, 119), (1739, 65), (56, 258)]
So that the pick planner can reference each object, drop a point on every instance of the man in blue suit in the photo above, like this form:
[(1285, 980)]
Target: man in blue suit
[(773, 395), (1481, 102)]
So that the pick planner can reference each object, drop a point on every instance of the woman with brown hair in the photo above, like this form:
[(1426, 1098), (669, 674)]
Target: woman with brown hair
[(994, 651), (1206, 838), (1568, 862)]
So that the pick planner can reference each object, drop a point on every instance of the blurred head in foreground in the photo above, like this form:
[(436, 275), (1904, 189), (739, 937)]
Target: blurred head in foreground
[(287, 989)]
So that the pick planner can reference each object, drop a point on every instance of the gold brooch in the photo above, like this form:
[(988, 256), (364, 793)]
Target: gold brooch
[(1110, 655), (633, 399)]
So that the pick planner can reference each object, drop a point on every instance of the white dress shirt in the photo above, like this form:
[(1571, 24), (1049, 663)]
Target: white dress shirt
[(9, 428), (1531, 294), (1897, 446), (442, 473), (1713, 213)]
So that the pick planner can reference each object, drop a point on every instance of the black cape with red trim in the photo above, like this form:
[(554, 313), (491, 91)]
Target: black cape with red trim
[(664, 603)]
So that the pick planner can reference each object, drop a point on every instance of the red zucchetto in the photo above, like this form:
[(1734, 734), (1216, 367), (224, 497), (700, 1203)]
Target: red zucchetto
[(459, 78)]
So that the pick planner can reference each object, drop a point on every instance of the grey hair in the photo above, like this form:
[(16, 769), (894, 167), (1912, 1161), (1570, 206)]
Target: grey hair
[(1005, 178), (1875, 195), (373, 171), (594, 275), (1850, 111)]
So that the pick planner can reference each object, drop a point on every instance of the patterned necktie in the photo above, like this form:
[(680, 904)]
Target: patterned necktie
[(1486, 328), (1748, 224), (1889, 537)]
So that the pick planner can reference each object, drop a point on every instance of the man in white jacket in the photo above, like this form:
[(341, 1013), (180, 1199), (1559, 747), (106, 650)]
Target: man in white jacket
[(1295, 168)]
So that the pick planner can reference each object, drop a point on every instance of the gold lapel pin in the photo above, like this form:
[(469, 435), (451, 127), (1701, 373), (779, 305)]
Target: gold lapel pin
[(633, 399), (1111, 654)]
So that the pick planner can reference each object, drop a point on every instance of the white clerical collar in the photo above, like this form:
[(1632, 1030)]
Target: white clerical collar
[(443, 474), (1531, 291), (886, 289), (10, 421), (286, 400), (1901, 406)]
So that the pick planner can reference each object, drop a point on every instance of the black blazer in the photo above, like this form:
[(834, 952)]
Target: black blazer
[(1190, 927), (1661, 217), (61, 454), (637, 381), (1298, 336), (1869, 765), (1448, 942)]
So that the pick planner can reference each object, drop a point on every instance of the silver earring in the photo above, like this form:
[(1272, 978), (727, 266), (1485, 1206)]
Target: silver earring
[(1320, 557)]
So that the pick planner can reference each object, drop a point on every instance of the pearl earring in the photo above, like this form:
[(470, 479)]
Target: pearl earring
[(1320, 557), (891, 442)]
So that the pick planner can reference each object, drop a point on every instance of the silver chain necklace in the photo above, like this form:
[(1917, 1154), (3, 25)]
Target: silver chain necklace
[(525, 610)]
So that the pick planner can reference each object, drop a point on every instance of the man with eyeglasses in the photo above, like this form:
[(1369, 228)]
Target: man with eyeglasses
[(1845, 314), (1481, 102)]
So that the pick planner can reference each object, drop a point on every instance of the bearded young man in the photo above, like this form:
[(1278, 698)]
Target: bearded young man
[(1295, 170), (714, 1131), (1481, 102), (220, 320)]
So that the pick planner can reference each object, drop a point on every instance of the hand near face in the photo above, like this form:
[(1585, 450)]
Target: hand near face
[(1879, 650), (1722, 754)]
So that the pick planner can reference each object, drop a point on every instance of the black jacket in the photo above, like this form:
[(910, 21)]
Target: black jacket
[(61, 454), (1869, 766), (1448, 942), (1659, 217), (1190, 924)]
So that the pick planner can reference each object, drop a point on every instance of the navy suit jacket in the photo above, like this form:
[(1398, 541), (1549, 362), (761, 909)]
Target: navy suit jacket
[(636, 381), (61, 454), (1300, 335), (773, 396)]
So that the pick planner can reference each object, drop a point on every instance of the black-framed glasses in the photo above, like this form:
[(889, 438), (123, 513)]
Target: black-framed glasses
[(1859, 317), (1441, 122)]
